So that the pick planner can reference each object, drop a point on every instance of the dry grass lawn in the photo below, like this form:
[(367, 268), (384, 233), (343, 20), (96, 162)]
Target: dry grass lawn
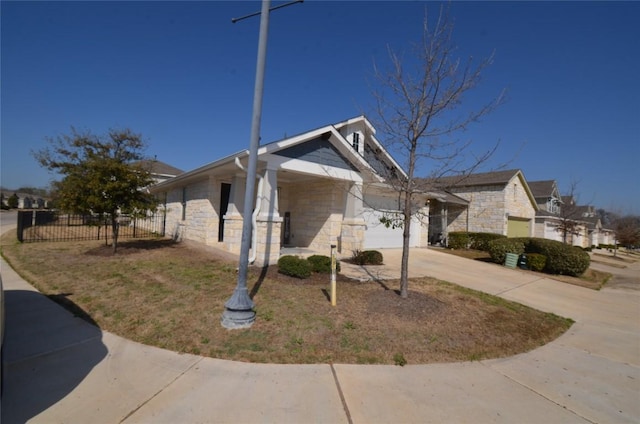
[(172, 296)]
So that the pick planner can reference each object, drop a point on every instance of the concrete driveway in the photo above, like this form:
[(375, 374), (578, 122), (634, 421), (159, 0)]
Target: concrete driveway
[(60, 369)]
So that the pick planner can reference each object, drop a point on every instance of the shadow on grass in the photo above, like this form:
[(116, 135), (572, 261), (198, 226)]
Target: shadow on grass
[(256, 287), (63, 300), (132, 246)]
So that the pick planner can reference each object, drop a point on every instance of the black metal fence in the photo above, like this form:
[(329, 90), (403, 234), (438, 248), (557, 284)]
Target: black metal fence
[(34, 226)]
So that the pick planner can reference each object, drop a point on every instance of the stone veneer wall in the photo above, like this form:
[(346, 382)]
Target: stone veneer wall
[(317, 209), (486, 210), (489, 206), (201, 219)]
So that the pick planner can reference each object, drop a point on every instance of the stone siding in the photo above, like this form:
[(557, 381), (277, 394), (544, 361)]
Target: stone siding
[(317, 209), (486, 210), (200, 221), (490, 207)]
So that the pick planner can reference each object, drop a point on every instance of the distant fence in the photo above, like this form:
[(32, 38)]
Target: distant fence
[(35, 226)]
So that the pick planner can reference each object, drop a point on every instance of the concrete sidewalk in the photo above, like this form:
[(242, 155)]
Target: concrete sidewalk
[(61, 369)]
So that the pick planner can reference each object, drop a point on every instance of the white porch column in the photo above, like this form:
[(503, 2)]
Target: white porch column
[(269, 195), (353, 224), (354, 208), (268, 221), (236, 197)]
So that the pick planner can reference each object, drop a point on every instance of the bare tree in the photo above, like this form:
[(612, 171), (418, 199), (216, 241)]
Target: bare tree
[(570, 216), (417, 111), (627, 230)]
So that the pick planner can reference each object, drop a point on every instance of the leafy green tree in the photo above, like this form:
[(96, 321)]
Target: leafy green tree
[(100, 174), (12, 201)]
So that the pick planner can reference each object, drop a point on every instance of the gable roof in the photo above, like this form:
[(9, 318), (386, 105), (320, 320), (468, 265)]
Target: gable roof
[(542, 188), (496, 178), (160, 168), (471, 180), (327, 137)]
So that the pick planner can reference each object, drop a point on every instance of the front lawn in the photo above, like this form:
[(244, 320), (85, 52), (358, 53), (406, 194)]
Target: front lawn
[(172, 296)]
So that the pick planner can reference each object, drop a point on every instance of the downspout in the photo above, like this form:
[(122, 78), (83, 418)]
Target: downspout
[(254, 215)]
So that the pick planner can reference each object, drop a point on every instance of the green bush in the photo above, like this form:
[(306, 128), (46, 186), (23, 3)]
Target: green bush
[(367, 257), (322, 264), (499, 248), (536, 261), (458, 240), (294, 266), (561, 258), (477, 241)]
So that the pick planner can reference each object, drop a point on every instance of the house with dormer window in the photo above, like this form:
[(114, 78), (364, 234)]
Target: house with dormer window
[(322, 187)]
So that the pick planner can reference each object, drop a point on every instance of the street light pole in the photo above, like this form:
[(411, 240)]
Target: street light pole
[(239, 311)]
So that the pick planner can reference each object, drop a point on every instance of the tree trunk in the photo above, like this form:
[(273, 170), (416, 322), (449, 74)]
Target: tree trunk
[(115, 227), (406, 235)]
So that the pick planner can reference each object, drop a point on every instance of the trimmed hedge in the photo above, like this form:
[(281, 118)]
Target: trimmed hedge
[(560, 258), (477, 241), (536, 261), (322, 264), (499, 248), (367, 257), (294, 266)]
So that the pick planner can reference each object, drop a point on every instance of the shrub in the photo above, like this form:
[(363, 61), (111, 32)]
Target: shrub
[(561, 258), (458, 240), (499, 248), (478, 241), (294, 266), (536, 261), (322, 264), (367, 257)]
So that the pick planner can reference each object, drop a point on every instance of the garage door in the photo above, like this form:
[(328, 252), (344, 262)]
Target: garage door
[(518, 227), (377, 235)]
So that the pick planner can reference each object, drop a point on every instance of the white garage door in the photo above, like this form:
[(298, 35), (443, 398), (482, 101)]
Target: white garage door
[(376, 235)]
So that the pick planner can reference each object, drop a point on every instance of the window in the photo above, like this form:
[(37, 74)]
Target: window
[(356, 141)]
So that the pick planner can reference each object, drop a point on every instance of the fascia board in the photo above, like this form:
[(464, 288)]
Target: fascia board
[(523, 181), (198, 173), (319, 170)]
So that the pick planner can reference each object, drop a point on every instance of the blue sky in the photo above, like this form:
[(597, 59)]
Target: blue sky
[(182, 75)]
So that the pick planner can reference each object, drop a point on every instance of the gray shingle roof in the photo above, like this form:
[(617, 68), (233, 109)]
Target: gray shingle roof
[(541, 188), (160, 168), (485, 178)]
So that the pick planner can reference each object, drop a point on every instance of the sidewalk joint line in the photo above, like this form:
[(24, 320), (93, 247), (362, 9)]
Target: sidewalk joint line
[(162, 389), (519, 286), (538, 393), (342, 399)]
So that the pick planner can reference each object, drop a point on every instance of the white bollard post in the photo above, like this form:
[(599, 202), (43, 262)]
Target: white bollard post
[(333, 275)]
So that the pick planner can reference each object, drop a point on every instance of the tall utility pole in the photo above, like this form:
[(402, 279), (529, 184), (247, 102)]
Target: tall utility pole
[(238, 311)]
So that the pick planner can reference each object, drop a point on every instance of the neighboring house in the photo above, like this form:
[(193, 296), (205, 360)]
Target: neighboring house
[(558, 215), (496, 202), (315, 189), (159, 170), (25, 201), (549, 200)]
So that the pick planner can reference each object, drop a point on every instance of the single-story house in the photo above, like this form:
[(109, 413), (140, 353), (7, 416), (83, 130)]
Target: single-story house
[(315, 189), (498, 202), (160, 171)]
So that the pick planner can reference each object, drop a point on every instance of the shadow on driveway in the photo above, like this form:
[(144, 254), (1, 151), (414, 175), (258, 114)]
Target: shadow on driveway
[(48, 351)]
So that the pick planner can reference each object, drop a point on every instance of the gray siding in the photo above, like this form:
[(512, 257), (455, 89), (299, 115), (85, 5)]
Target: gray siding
[(317, 151)]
